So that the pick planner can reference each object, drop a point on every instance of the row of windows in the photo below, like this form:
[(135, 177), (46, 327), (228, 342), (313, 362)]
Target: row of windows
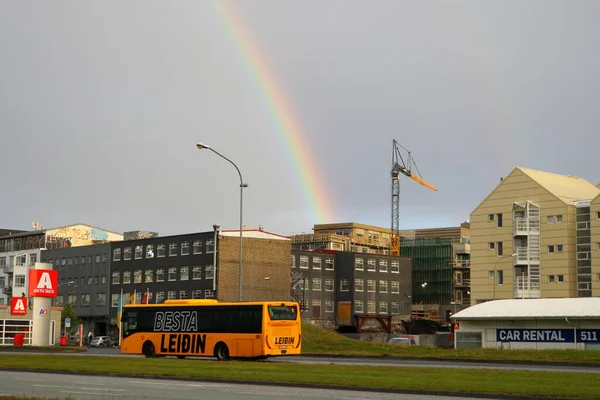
[(163, 274), (553, 248), (76, 260), (82, 281), (358, 285), (84, 300), (383, 307), (19, 261), (140, 251), (160, 296), (316, 263)]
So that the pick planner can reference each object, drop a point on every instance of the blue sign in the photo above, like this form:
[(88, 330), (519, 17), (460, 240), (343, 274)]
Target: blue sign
[(535, 335), (68, 320), (588, 335)]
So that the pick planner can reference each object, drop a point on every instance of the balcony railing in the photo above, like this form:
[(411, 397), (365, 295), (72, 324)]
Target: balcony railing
[(522, 256), (525, 226), (465, 264), (462, 282), (523, 288)]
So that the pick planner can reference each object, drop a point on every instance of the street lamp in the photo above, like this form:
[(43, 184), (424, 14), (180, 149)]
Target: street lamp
[(495, 267), (201, 146)]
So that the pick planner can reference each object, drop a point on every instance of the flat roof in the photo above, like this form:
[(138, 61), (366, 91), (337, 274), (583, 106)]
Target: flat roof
[(588, 307)]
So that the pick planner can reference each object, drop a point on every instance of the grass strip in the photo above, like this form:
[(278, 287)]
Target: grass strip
[(506, 382), (318, 341)]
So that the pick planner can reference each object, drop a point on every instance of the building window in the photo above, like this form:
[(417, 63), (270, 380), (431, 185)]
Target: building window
[(490, 217), (209, 271), (395, 287), (183, 294), (184, 273), (371, 285), (316, 262), (160, 275), (370, 307), (96, 280), (344, 285), (116, 278), (138, 252), (148, 276), (171, 295), (114, 300), (395, 269), (160, 297), (97, 259), (358, 307), (185, 248), (172, 249), (598, 246), (127, 253), (383, 266), (551, 278), (196, 272), (500, 249), (101, 299), (499, 220), (395, 307), (329, 285), (383, 286), (500, 277), (359, 264), (559, 219), (492, 245), (597, 214), (150, 251), (210, 246), (359, 285), (383, 307), (550, 219), (137, 276), (104, 257), (19, 280), (560, 278), (160, 249), (197, 294), (559, 248), (116, 256), (304, 262), (551, 249), (370, 264), (85, 299), (329, 306), (126, 277), (329, 264), (197, 247), (293, 261), (103, 280), (316, 284), (172, 273)]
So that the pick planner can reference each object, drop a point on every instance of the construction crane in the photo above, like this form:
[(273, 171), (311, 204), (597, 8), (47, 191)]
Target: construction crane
[(398, 167)]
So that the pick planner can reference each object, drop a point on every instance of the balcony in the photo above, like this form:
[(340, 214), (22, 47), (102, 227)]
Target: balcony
[(525, 226), (462, 282), (525, 289), (523, 258), (461, 264)]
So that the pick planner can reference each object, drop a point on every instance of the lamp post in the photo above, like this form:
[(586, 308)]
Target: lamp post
[(495, 268), (201, 146)]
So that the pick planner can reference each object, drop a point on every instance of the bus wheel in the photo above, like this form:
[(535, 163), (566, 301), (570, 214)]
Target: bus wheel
[(222, 352), (148, 350)]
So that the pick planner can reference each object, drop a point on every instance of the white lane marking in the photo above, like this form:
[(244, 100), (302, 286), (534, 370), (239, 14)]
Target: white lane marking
[(94, 393), (79, 387), (179, 384)]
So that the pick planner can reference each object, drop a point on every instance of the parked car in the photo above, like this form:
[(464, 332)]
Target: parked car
[(402, 340), (101, 341)]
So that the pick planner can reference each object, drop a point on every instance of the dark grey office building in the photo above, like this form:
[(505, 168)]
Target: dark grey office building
[(342, 289), (167, 267), (83, 281)]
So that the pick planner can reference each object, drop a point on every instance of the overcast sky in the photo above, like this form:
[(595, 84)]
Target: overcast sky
[(101, 104)]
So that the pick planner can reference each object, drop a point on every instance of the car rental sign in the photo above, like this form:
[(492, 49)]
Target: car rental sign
[(43, 283), (564, 335)]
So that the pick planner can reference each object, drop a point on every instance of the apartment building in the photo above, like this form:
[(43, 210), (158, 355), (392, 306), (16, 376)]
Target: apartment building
[(594, 248), (83, 274), (532, 237), (346, 236), (346, 289)]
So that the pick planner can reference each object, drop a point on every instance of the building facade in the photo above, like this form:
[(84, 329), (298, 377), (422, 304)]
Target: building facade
[(346, 236), (532, 236), (334, 287), (83, 274)]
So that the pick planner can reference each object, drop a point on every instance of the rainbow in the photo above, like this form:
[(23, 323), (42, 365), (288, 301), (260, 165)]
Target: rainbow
[(287, 123)]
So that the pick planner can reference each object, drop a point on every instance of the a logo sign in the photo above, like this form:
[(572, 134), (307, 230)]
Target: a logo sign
[(43, 282), (67, 322), (43, 312), (18, 306)]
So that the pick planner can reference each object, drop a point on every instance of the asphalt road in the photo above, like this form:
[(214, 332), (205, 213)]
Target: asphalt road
[(388, 362), (102, 388)]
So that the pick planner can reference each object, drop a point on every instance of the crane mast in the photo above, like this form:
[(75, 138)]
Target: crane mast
[(404, 168)]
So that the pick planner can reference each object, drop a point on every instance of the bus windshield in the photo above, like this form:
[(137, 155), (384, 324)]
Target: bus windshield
[(278, 313)]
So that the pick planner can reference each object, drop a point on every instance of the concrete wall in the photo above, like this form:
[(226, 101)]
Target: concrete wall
[(261, 258)]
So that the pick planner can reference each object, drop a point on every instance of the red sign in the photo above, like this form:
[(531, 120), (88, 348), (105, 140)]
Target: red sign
[(18, 306), (43, 283)]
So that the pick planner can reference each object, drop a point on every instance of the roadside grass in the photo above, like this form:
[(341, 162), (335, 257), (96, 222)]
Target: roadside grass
[(497, 382), (43, 349), (318, 341)]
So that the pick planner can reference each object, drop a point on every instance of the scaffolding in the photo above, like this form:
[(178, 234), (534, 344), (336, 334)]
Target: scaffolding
[(433, 270)]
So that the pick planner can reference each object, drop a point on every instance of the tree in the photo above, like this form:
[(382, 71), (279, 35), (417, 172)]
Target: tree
[(69, 312)]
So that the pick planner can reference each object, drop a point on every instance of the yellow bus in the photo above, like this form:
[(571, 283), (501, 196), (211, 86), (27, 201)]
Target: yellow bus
[(209, 328)]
